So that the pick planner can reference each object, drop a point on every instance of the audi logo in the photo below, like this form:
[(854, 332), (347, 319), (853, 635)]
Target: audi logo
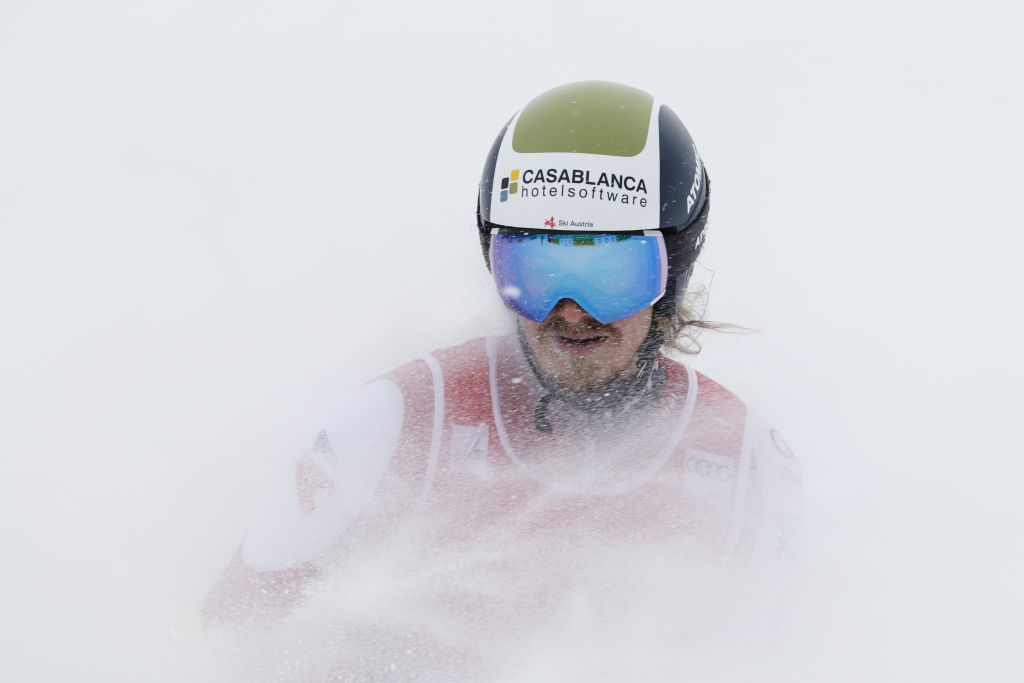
[(706, 468)]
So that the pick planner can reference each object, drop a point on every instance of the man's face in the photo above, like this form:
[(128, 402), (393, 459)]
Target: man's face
[(579, 355)]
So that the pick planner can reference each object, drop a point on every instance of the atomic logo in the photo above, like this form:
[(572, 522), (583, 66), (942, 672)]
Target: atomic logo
[(701, 237), (550, 222), (509, 184)]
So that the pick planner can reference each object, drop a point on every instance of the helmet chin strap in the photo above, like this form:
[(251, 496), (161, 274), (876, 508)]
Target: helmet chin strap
[(614, 400)]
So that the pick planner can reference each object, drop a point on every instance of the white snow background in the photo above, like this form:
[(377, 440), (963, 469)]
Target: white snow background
[(218, 217)]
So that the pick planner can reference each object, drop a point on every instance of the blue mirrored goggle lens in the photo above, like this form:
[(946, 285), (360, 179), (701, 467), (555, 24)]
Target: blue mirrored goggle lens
[(611, 276)]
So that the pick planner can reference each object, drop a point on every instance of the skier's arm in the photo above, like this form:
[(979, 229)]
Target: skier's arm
[(315, 500)]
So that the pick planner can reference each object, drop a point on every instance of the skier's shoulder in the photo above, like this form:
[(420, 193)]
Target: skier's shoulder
[(713, 400), (442, 372), (465, 355), (380, 406), (445, 364), (349, 451), (722, 417), (316, 492), (760, 433)]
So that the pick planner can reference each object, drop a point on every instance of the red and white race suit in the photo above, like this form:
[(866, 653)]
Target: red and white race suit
[(448, 445)]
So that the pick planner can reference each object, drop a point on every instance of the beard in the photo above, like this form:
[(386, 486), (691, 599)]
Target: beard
[(599, 369), (579, 379)]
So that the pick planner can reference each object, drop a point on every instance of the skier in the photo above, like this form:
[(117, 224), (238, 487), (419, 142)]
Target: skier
[(591, 213)]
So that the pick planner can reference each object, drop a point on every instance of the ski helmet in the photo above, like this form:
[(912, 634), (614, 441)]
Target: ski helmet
[(598, 157)]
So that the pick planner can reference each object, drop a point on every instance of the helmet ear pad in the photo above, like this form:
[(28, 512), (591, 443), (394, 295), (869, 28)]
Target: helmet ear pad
[(683, 247), (483, 231)]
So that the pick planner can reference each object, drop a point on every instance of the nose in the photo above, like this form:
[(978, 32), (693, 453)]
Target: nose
[(570, 311)]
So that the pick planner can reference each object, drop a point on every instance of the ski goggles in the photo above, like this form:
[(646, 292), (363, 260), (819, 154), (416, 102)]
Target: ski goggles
[(610, 275)]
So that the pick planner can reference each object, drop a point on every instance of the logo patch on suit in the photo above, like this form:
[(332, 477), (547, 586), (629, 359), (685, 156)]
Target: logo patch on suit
[(781, 444), (469, 449), (709, 477), (312, 483)]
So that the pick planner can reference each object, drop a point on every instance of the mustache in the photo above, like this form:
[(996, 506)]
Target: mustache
[(588, 327)]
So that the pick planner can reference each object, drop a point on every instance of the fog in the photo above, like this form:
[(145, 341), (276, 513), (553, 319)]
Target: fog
[(218, 218)]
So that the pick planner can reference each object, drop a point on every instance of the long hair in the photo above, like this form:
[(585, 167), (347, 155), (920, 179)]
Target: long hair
[(683, 327)]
